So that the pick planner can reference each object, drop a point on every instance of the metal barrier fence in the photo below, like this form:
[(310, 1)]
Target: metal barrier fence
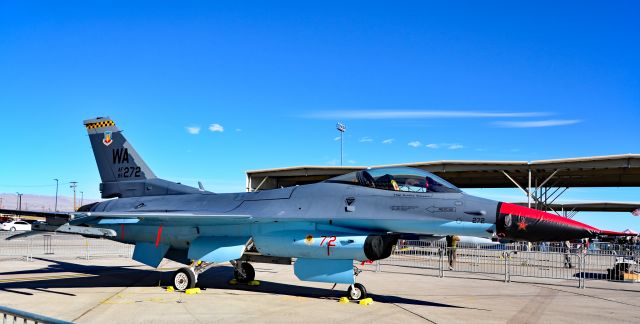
[(509, 260), (10, 315), (61, 246), (550, 261)]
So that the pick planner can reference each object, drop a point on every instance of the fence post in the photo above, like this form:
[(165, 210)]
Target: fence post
[(30, 250), (48, 247), (440, 263), (582, 278), (507, 270), (378, 266), (86, 243)]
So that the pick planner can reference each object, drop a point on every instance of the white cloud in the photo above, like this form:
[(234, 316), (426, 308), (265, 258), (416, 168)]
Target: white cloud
[(337, 138), (414, 144), (351, 161), (194, 130), (388, 141), (365, 139), (537, 123), (432, 146), (455, 146), (216, 128), (238, 129), (414, 114)]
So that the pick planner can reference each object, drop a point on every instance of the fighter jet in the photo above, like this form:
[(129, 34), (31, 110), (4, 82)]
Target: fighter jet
[(324, 226)]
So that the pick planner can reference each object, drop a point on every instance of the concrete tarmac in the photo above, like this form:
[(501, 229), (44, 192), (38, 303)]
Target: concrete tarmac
[(118, 290)]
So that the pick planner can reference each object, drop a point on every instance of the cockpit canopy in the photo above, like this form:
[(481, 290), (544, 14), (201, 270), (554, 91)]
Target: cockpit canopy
[(397, 179)]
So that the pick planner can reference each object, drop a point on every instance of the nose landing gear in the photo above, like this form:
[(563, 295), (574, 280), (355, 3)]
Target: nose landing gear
[(357, 292)]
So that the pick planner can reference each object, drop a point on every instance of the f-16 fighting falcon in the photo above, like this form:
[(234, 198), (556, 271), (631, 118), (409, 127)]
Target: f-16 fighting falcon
[(323, 226)]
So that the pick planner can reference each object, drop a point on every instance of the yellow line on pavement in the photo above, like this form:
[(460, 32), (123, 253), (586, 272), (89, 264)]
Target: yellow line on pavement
[(69, 276)]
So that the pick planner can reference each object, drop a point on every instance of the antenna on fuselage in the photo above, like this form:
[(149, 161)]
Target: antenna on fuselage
[(200, 186)]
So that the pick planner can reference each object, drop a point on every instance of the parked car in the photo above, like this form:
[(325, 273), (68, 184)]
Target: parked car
[(15, 226)]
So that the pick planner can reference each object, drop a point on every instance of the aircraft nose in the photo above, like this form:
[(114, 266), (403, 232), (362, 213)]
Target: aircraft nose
[(521, 223)]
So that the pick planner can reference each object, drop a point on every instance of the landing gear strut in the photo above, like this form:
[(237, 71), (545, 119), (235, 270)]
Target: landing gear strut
[(357, 290), (187, 277), (243, 271)]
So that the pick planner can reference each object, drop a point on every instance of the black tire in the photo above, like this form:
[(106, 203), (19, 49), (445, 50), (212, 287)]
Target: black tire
[(358, 292), (184, 279), (13, 229), (249, 273)]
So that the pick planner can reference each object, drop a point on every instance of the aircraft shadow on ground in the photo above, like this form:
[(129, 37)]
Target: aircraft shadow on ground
[(126, 276)]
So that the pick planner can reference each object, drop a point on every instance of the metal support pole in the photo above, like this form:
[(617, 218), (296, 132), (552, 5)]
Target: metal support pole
[(514, 182), (547, 179), (261, 183), (529, 190), (19, 201), (74, 185), (341, 128), (56, 205)]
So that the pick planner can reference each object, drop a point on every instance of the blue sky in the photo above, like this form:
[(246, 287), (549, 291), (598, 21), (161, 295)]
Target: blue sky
[(456, 80)]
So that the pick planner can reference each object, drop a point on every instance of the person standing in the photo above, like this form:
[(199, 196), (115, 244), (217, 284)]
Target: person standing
[(567, 256), (452, 245)]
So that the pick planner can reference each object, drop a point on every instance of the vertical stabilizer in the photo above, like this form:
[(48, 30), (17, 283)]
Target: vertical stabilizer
[(117, 160), (122, 170)]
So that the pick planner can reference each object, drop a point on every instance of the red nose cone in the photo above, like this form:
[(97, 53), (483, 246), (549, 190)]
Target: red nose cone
[(521, 223)]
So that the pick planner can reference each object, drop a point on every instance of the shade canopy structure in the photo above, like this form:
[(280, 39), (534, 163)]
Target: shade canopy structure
[(596, 171)]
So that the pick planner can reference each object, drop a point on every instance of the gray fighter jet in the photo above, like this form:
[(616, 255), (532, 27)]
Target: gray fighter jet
[(324, 226)]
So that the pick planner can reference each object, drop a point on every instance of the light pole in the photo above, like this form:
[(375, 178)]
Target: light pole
[(19, 202), (73, 185), (56, 207), (81, 197), (341, 128)]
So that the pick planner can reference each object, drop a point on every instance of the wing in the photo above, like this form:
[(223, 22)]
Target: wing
[(72, 222), (175, 218)]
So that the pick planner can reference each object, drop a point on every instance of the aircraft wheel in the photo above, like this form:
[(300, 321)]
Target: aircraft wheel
[(357, 292), (184, 279), (249, 273)]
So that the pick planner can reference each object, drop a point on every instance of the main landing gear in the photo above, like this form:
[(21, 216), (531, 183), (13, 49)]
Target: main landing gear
[(243, 271), (187, 277), (184, 279)]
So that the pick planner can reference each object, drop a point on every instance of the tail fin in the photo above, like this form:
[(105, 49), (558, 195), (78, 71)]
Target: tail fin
[(117, 160), (123, 172)]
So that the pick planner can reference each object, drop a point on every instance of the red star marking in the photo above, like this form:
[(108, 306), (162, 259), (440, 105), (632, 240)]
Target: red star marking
[(522, 226)]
